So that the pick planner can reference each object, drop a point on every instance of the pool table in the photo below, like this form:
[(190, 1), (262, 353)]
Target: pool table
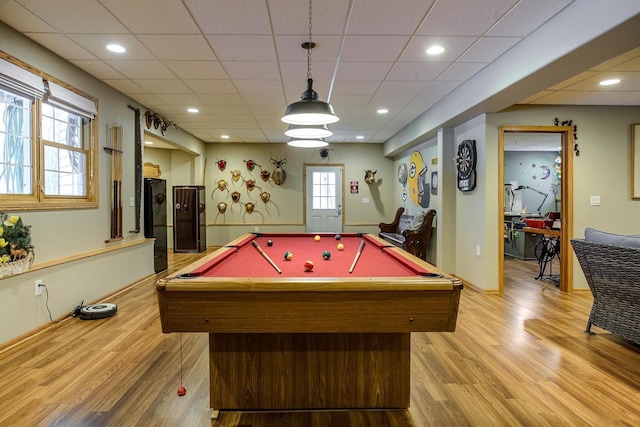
[(284, 338)]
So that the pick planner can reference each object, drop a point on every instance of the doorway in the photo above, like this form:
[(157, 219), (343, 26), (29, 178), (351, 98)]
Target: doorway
[(559, 238), (323, 198)]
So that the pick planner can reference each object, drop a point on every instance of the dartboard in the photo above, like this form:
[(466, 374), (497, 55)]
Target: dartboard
[(466, 164)]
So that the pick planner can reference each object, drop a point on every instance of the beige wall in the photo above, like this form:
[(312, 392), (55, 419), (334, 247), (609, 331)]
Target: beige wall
[(284, 212), (602, 169), (85, 267)]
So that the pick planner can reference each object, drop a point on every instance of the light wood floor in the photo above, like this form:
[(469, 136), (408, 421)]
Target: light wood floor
[(517, 360)]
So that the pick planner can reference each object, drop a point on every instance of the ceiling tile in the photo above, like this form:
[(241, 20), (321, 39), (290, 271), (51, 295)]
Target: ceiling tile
[(488, 49), (177, 99), (399, 17), (220, 99), (461, 71), (252, 70), (259, 87), (163, 86), (454, 47), (566, 97), (211, 87), (62, 45), (417, 71), (22, 19), (243, 47), (126, 86), (526, 16), (98, 69), (97, 44), (88, 16), (290, 48), (195, 70), (178, 47), (142, 69), (464, 17), (363, 70), (292, 16), (216, 17), (386, 48), (153, 17)]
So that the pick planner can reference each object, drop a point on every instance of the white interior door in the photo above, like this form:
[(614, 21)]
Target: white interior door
[(323, 199)]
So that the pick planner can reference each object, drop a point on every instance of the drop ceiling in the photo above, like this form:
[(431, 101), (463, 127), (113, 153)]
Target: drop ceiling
[(241, 62)]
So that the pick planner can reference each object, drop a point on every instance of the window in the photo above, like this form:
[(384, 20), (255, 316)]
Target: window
[(15, 144), (47, 143), (324, 193)]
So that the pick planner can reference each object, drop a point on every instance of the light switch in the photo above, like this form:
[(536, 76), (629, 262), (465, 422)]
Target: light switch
[(595, 200), (365, 200), (132, 201)]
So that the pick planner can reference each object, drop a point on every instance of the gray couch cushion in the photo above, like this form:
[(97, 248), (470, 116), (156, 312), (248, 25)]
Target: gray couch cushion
[(593, 235)]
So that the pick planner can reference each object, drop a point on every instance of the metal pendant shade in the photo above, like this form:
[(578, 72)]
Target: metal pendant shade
[(309, 110), (307, 143), (308, 131)]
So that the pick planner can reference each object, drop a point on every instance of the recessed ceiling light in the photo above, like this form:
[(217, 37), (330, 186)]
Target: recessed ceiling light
[(193, 110), (116, 48), (148, 143), (383, 111), (359, 137), (435, 50), (609, 82), (224, 136)]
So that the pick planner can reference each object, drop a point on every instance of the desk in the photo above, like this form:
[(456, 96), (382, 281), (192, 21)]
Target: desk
[(324, 339), (546, 250)]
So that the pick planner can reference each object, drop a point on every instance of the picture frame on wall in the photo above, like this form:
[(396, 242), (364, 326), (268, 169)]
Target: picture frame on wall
[(635, 161)]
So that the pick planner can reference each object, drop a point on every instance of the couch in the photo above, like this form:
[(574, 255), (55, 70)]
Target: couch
[(611, 265), (410, 232)]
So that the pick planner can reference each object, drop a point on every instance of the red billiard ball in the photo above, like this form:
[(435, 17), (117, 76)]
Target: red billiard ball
[(308, 266)]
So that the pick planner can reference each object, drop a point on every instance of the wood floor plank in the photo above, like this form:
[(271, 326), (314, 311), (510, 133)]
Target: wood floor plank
[(521, 359)]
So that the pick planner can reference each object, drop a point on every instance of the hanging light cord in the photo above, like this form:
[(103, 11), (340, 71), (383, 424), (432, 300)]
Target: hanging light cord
[(310, 45)]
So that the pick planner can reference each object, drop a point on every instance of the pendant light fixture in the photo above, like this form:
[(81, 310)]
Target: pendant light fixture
[(307, 143), (309, 110), (308, 131)]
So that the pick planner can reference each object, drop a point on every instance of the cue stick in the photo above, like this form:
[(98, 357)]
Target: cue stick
[(355, 260), (264, 254)]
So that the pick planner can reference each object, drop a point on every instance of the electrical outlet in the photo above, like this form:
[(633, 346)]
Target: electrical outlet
[(38, 284), (478, 250)]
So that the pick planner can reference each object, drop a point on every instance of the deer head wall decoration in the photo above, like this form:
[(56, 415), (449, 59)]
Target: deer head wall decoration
[(370, 176), (279, 176)]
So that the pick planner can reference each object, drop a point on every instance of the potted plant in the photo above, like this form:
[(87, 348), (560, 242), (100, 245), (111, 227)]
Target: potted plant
[(16, 250)]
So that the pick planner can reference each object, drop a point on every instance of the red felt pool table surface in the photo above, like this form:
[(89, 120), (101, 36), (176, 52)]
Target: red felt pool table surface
[(242, 259)]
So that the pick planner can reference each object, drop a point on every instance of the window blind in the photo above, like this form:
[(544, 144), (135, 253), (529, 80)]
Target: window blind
[(61, 97), (23, 81)]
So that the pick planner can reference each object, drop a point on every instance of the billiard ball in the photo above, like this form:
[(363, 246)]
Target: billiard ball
[(326, 255), (287, 256), (269, 242), (340, 246), (308, 266), (338, 237), (317, 238)]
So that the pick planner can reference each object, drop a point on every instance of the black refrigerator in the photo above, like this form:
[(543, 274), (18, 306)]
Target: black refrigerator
[(155, 220)]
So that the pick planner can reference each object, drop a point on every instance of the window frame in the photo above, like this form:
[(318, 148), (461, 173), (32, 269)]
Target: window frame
[(37, 199)]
